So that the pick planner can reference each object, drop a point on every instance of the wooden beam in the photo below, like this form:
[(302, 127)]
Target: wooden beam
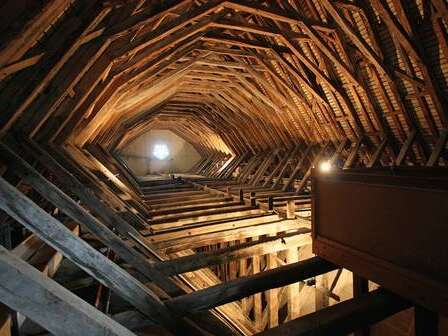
[(234, 290), (313, 163), (258, 303), (353, 153), (426, 322), (44, 258), (12, 68), (209, 238), (297, 169), (343, 318), (406, 147), (94, 263), (293, 291), (338, 151), (438, 149), (240, 251), (378, 152), (272, 293), (322, 299), (360, 288), (72, 209), (5, 321), (24, 289)]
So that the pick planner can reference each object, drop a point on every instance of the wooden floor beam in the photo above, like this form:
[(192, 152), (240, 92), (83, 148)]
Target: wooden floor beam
[(343, 318), (237, 289), (240, 251)]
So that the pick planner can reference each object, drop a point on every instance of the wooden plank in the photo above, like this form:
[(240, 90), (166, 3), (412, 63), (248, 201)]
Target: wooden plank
[(25, 290), (234, 290), (343, 318)]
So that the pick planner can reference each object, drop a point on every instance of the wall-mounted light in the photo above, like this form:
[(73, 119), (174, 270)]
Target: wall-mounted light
[(160, 151), (325, 166)]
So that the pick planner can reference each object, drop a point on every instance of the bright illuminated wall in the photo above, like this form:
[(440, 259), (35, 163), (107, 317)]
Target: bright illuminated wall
[(140, 153)]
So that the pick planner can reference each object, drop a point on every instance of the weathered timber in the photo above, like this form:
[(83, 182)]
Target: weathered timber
[(240, 251), (60, 238), (25, 290), (79, 214), (234, 290), (345, 317)]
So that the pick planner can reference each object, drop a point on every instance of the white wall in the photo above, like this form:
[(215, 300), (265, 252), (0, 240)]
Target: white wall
[(138, 154)]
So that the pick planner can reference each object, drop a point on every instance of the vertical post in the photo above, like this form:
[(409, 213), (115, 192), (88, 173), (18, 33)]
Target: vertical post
[(290, 209), (258, 309), (253, 200), (426, 322), (229, 192), (5, 321), (360, 287), (321, 296), (6, 315), (272, 294), (271, 203), (241, 196), (15, 323), (292, 256), (243, 273), (233, 265)]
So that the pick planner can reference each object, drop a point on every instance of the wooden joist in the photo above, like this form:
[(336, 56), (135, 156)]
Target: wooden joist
[(241, 251), (345, 317), (234, 290), (209, 238), (249, 85)]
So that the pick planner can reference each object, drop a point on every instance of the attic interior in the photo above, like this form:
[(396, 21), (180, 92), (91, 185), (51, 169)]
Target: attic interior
[(212, 167)]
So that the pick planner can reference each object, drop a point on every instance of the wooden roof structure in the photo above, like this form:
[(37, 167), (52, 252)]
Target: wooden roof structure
[(264, 91), (248, 76)]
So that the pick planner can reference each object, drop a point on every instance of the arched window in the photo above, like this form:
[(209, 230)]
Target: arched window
[(160, 151)]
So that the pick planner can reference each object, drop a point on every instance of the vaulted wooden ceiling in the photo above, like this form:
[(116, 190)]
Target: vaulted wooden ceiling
[(264, 91), (230, 76)]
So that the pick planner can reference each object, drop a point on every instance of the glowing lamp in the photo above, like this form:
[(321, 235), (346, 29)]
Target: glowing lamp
[(325, 166)]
